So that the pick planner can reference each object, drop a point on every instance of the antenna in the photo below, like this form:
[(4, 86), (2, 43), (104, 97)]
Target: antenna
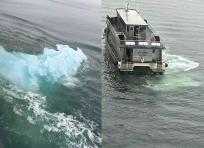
[(127, 7)]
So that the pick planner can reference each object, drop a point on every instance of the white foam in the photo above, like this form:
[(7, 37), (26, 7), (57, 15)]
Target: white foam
[(17, 111), (73, 133), (62, 123), (175, 76), (30, 120), (59, 66), (179, 64)]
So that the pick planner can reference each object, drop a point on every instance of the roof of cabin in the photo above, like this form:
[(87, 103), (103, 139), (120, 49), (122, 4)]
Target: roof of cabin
[(131, 17)]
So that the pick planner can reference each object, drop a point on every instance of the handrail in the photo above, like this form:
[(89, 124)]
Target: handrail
[(110, 26)]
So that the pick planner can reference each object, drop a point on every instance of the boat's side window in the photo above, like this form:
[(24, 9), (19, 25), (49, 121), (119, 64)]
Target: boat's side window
[(131, 28), (127, 28)]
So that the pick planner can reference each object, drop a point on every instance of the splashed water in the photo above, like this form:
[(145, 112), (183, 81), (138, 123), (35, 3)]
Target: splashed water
[(25, 70), (174, 77), (68, 130), (179, 64)]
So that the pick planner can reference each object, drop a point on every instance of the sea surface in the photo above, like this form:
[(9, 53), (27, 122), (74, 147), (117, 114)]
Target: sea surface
[(50, 74), (162, 111)]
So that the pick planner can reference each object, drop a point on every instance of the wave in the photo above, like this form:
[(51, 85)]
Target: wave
[(58, 65), (67, 130), (179, 64)]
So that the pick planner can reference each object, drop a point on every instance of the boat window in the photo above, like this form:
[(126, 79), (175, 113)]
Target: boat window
[(121, 37), (157, 38), (131, 28)]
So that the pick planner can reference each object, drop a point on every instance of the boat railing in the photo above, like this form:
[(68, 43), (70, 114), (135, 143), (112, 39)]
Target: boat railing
[(111, 27)]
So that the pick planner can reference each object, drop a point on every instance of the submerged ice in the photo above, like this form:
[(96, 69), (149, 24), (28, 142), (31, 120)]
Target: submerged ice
[(24, 70)]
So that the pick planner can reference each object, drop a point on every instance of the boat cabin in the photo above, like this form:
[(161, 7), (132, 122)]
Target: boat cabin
[(132, 24)]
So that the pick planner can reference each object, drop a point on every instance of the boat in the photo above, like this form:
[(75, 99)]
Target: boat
[(132, 43)]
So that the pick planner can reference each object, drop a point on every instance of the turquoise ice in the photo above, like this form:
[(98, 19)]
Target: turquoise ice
[(58, 65)]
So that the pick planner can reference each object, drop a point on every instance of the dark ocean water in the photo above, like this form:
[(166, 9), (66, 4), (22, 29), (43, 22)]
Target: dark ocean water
[(159, 111), (52, 99)]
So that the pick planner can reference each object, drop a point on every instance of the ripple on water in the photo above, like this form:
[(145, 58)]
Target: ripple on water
[(68, 130), (57, 66)]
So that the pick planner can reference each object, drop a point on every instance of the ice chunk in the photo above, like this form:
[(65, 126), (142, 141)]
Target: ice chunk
[(25, 70)]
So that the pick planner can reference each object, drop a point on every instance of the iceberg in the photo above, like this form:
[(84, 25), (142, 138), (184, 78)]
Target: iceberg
[(54, 65)]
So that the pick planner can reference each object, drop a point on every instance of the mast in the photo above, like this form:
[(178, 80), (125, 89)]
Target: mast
[(127, 7)]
